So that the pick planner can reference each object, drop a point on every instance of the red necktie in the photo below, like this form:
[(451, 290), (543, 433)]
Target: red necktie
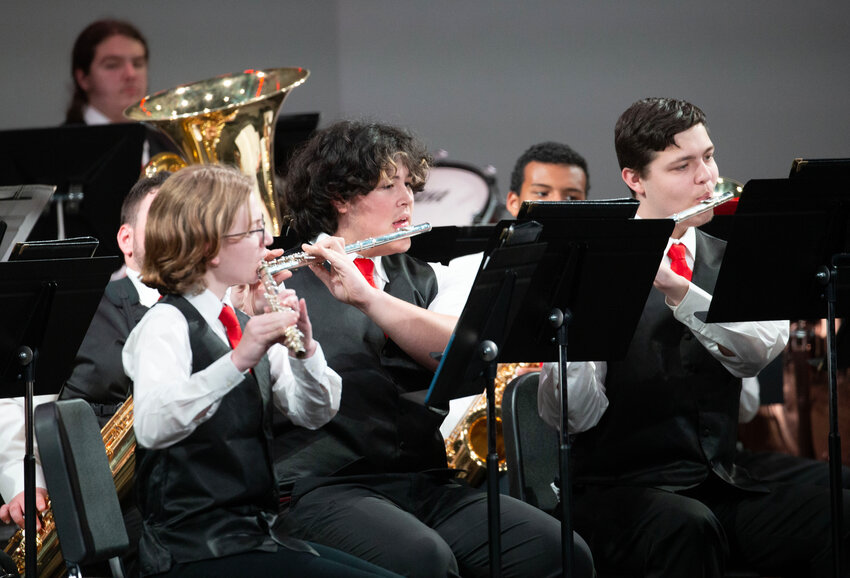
[(367, 267), (678, 263), (231, 324)]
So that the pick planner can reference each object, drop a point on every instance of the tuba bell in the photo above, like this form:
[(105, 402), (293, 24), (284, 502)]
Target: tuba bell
[(226, 120)]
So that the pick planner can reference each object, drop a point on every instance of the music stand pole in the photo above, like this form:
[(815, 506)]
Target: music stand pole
[(829, 277), (488, 352), (25, 359), (560, 320)]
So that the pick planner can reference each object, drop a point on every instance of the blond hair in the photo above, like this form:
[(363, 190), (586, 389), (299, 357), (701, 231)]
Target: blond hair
[(194, 208)]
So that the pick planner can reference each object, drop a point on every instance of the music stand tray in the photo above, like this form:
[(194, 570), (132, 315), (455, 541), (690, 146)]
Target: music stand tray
[(20, 208)]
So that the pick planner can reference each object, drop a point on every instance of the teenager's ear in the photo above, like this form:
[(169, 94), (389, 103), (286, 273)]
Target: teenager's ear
[(125, 239), (340, 206), (633, 180), (512, 203)]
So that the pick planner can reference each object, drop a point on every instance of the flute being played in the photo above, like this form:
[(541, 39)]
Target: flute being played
[(301, 259)]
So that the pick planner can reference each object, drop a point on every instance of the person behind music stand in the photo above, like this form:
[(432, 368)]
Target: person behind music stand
[(657, 491), (373, 482), (548, 171), (545, 171), (109, 70)]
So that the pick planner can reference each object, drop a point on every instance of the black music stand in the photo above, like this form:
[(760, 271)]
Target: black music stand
[(92, 167), (589, 291), (574, 292), (805, 275), (47, 308), (470, 356), (442, 244)]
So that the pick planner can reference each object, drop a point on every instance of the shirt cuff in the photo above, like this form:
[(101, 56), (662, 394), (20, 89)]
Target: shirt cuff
[(313, 366), (695, 300)]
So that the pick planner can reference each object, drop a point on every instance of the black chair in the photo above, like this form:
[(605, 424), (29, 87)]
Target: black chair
[(531, 451), (531, 445), (83, 497)]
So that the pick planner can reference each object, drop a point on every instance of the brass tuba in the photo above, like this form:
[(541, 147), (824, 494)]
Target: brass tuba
[(227, 120)]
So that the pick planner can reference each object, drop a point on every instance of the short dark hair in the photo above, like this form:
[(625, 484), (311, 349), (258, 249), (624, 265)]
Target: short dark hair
[(82, 56), (649, 126), (130, 206), (553, 153), (346, 159)]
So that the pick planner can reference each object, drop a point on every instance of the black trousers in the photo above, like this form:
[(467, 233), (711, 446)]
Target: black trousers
[(329, 563), (700, 532), (427, 525)]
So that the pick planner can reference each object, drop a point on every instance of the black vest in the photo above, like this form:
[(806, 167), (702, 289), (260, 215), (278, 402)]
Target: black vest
[(376, 430), (673, 413), (212, 494), (98, 373)]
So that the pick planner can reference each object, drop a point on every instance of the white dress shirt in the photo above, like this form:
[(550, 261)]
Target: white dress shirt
[(171, 401), (13, 446), (753, 345), (148, 296)]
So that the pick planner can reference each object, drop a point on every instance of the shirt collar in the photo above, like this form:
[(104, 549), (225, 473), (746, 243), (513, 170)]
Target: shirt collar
[(148, 296), (689, 240), (208, 305), (92, 116)]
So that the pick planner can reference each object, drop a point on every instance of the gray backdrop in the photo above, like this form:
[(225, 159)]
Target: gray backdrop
[(485, 79)]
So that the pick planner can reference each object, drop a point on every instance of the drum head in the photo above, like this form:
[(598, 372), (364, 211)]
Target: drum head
[(455, 195)]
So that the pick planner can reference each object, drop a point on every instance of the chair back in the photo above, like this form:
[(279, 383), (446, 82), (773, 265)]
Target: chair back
[(531, 445), (85, 504)]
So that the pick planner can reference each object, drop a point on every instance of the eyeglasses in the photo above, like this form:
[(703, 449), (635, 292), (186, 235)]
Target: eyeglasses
[(246, 234)]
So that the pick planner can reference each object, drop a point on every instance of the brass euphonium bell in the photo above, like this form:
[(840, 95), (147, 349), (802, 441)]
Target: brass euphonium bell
[(725, 185), (226, 120)]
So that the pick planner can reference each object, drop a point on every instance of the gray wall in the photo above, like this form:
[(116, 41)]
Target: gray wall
[(485, 79)]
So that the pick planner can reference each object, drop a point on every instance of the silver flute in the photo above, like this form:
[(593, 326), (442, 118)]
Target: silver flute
[(296, 260), (703, 206), (293, 338)]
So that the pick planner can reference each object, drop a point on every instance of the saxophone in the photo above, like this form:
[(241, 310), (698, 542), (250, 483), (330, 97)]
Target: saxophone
[(120, 444), (466, 445)]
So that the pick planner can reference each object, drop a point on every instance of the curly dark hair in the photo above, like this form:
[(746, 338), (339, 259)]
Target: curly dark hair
[(347, 159), (553, 153), (649, 126)]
